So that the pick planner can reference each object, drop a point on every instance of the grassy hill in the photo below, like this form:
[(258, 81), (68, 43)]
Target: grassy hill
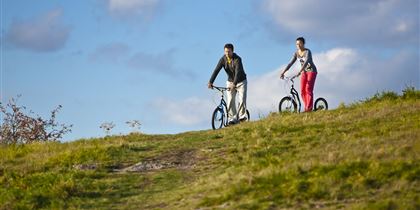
[(359, 156)]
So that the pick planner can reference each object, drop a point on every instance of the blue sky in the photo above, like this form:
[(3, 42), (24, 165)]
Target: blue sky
[(150, 60)]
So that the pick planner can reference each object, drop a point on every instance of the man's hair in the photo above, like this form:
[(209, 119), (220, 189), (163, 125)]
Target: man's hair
[(229, 46), (301, 39)]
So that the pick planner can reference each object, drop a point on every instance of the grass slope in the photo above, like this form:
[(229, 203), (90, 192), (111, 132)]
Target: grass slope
[(361, 156)]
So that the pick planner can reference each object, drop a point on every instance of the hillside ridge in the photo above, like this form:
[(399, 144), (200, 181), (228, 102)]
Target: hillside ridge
[(359, 156)]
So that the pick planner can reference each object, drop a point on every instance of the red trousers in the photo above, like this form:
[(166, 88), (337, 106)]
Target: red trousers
[(307, 83)]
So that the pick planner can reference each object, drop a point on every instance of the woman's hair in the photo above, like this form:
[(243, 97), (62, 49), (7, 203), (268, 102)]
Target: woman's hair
[(301, 39), (229, 46)]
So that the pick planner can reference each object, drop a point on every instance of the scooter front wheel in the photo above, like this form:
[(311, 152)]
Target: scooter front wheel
[(218, 118)]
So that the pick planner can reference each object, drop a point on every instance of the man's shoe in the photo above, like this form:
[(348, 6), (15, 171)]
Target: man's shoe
[(232, 122)]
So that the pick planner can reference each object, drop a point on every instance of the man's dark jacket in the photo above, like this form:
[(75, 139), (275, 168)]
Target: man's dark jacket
[(234, 70)]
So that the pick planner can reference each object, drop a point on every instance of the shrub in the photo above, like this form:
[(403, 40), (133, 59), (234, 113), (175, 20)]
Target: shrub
[(411, 93), (20, 128)]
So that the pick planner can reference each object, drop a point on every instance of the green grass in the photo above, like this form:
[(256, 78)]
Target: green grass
[(360, 156)]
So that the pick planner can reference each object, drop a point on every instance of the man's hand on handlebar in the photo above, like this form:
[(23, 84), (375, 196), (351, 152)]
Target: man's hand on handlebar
[(231, 86), (210, 85)]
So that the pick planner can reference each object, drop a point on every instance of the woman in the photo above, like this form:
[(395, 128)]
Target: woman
[(308, 71)]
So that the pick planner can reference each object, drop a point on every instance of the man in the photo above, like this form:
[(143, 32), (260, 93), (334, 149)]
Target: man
[(236, 83)]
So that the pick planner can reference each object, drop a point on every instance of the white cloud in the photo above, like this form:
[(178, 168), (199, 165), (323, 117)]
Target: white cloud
[(189, 111), (264, 93), (132, 8), (388, 22), (44, 33), (359, 75), (339, 62), (401, 27)]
